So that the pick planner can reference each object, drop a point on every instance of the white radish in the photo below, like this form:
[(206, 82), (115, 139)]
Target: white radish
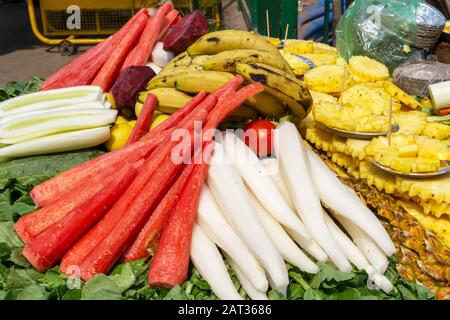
[(370, 249), (252, 292), (207, 259), (157, 69), (294, 166), (261, 184), (272, 166), (213, 223), (356, 257), (230, 193), (345, 202), (160, 56), (312, 247), (288, 249)]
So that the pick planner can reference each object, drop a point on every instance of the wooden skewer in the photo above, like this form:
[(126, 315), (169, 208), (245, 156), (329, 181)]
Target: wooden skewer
[(390, 122), (267, 24), (286, 36)]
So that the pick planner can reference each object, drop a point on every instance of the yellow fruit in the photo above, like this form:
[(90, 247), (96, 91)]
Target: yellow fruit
[(411, 122), (110, 99), (401, 95), (299, 66), (327, 79), (375, 99), (137, 108), (320, 59), (121, 119), (369, 69), (158, 120), (132, 123), (275, 41), (119, 136), (436, 130), (324, 49), (319, 97), (299, 46)]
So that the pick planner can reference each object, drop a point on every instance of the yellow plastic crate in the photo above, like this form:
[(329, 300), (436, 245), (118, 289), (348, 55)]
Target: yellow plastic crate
[(100, 17)]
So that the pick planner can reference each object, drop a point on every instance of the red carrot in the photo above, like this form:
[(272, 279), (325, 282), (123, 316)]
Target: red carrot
[(170, 263), (169, 20), (148, 236), (144, 120), (107, 241), (31, 225), (141, 53), (110, 70), (82, 70), (44, 251), (52, 189)]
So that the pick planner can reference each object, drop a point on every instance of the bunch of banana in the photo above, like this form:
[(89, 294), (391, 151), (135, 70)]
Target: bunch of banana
[(217, 57)]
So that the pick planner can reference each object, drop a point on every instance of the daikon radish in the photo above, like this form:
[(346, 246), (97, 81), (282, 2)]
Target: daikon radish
[(272, 166), (282, 241), (157, 69), (213, 223), (207, 259), (368, 247), (312, 247), (260, 183), (356, 257), (230, 193), (294, 166), (252, 292), (161, 57), (345, 202)]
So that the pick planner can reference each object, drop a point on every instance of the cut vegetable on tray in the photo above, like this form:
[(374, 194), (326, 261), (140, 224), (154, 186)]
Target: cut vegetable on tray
[(225, 150)]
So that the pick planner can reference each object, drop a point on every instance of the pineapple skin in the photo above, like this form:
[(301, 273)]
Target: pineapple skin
[(421, 257)]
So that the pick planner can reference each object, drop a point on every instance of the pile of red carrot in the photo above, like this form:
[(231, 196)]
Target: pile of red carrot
[(125, 204), (132, 45)]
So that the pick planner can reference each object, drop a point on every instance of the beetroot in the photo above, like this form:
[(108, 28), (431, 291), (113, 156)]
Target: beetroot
[(191, 27), (132, 81)]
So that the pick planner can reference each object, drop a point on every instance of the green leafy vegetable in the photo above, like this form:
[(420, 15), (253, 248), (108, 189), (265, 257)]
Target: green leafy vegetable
[(14, 89)]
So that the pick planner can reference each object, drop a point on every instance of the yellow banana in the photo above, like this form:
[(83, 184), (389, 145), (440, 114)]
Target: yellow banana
[(277, 80), (267, 104), (208, 81), (296, 108), (181, 60), (168, 98), (227, 60), (225, 40), (166, 79)]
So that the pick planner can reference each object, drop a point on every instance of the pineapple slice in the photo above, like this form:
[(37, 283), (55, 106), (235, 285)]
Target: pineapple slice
[(412, 122), (402, 96), (369, 69), (299, 46), (355, 148), (320, 59), (436, 130), (377, 178), (339, 143), (321, 139), (408, 154), (408, 151), (372, 97), (437, 189), (434, 208)]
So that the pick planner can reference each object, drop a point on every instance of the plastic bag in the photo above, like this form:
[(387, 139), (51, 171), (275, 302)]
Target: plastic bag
[(381, 29)]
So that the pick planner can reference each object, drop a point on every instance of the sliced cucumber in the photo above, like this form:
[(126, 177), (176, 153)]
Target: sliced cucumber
[(51, 99), (89, 105), (68, 141), (51, 122)]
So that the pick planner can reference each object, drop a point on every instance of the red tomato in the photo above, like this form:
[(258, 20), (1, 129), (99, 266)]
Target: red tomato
[(258, 136)]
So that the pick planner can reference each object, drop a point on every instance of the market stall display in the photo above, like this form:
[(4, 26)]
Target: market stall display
[(280, 207)]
